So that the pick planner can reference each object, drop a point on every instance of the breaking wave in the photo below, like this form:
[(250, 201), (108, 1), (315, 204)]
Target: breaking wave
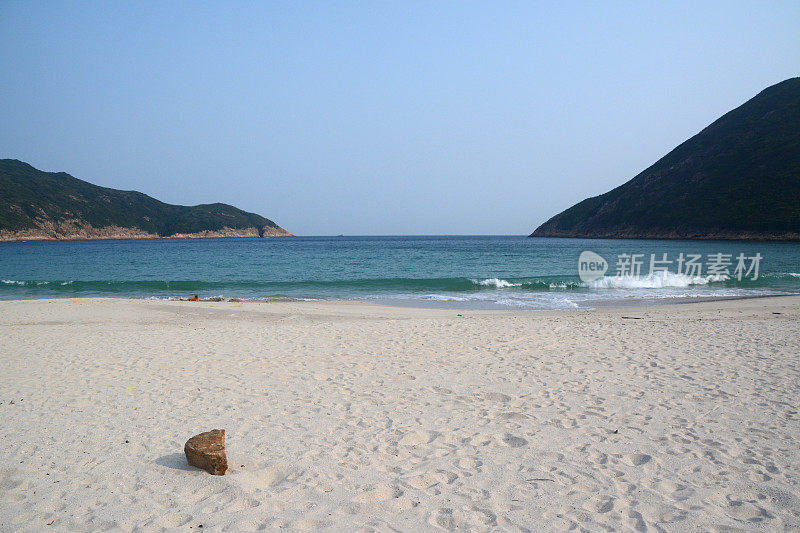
[(497, 283), (656, 280), (537, 291)]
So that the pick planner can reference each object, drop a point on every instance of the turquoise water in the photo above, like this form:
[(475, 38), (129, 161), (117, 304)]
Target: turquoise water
[(480, 271)]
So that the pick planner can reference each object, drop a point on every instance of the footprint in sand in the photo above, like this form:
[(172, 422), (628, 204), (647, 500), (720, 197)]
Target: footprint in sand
[(481, 516), (174, 520), (507, 439), (378, 493), (598, 458), (745, 511), (512, 416), (634, 520), (676, 491), (467, 519), (431, 478), (480, 440), (599, 504), (497, 397), (443, 518), (758, 476), (417, 438), (636, 459), (469, 463)]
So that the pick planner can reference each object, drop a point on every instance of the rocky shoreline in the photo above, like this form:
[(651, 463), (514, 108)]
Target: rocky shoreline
[(696, 235), (73, 232)]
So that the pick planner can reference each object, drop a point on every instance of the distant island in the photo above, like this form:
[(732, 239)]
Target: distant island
[(37, 206), (739, 178)]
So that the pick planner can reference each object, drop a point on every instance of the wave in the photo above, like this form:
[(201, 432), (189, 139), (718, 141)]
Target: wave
[(656, 280), (494, 286), (359, 285), (497, 283), (540, 284)]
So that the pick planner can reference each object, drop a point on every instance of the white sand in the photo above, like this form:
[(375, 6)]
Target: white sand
[(348, 416)]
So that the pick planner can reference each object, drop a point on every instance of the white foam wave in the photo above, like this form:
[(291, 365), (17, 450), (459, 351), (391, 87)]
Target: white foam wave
[(31, 283), (562, 285), (439, 297), (497, 283), (656, 280), (540, 302)]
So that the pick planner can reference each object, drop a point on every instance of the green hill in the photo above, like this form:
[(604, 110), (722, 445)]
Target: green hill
[(36, 205), (739, 178)]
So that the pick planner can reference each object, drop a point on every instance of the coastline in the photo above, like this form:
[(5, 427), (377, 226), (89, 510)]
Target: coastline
[(286, 305), (744, 236), (345, 414), (596, 304), (418, 303), (283, 305), (110, 233)]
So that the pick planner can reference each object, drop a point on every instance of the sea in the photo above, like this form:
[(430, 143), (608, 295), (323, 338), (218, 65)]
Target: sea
[(469, 272)]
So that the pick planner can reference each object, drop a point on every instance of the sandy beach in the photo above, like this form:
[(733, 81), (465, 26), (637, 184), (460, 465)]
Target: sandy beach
[(352, 416)]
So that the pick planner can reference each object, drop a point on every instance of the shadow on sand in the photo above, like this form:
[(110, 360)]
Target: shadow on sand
[(176, 461)]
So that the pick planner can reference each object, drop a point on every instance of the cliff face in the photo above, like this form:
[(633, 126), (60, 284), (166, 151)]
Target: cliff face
[(739, 178), (36, 205)]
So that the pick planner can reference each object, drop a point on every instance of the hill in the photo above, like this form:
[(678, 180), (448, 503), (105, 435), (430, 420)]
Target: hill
[(739, 178), (36, 205)]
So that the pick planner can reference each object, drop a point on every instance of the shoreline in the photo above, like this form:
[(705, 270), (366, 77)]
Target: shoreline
[(410, 303), (367, 309), (598, 304), (225, 233)]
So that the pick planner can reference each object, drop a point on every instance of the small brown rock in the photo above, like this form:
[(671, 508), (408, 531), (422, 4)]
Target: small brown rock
[(207, 451)]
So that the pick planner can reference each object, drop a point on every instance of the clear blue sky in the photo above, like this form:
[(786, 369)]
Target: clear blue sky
[(378, 117)]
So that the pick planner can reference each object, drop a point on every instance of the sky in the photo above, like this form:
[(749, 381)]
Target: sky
[(378, 117)]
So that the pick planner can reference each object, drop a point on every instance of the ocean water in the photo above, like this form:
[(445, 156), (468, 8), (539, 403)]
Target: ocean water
[(470, 271)]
